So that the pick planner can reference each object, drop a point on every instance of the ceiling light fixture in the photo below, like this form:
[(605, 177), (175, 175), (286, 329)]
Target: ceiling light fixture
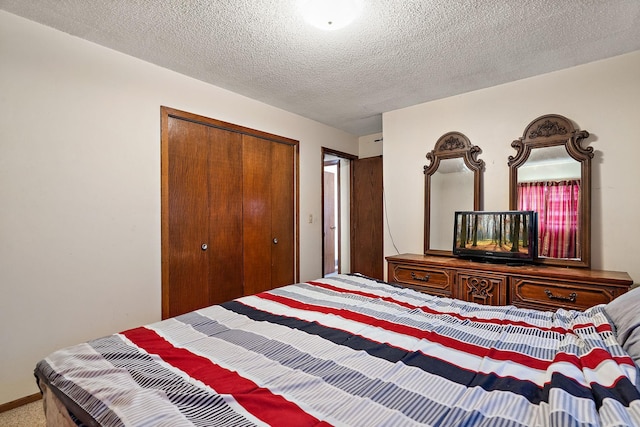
[(330, 14)]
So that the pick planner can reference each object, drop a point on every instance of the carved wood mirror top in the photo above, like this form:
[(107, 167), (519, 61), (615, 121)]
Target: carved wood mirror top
[(552, 168), (453, 182)]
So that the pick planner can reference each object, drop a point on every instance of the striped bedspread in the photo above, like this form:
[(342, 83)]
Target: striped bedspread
[(350, 351)]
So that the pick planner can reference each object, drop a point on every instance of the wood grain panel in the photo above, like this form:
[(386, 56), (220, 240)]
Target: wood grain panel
[(482, 288), (541, 294), (282, 214), (188, 218), (367, 254), (540, 287), (225, 187), (434, 281), (225, 220), (256, 203)]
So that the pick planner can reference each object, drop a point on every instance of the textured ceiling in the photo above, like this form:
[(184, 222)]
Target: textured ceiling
[(396, 54)]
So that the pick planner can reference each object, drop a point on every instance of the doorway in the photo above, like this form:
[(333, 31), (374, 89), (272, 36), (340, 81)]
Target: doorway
[(336, 212)]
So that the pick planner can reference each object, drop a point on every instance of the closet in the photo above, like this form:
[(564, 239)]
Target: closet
[(229, 211)]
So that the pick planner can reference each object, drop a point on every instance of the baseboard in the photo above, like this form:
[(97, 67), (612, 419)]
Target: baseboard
[(19, 402)]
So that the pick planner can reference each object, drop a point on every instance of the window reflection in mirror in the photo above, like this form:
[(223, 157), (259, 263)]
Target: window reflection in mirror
[(551, 174), (549, 183)]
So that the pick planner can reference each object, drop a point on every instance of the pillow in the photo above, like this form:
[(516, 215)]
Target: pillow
[(624, 311)]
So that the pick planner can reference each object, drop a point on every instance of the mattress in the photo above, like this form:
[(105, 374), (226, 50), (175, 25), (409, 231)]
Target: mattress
[(352, 351)]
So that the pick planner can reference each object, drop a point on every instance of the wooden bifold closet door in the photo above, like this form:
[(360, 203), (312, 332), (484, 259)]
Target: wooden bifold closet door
[(229, 211)]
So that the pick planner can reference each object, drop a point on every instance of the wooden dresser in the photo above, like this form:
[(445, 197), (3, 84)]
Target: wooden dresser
[(529, 286)]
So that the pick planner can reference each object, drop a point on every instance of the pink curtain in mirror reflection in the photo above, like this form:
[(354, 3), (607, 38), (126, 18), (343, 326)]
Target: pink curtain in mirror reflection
[(557, 205)]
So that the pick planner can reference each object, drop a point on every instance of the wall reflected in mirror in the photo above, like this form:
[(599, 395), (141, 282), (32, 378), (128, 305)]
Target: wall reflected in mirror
[(451, 191), (453, 182)]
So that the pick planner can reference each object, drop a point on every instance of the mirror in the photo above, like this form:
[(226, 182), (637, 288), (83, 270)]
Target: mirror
[(453, 182), (551, 174)]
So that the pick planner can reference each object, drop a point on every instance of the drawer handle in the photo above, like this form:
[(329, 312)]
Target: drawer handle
[(571, 298), (422, 279)]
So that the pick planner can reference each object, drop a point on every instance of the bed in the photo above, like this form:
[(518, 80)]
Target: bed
[(352, 351)]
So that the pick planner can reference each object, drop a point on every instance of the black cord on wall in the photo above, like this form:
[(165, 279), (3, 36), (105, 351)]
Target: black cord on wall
[(386, 216)]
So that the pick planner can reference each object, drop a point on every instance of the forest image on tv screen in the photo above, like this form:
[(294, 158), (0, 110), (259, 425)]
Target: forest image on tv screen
[(494, 232)]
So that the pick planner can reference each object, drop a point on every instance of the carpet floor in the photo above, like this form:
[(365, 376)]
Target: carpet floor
[(29, 415)]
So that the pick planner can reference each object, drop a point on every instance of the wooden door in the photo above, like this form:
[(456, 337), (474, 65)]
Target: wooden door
[(204, 215), (268, 209), (227, 193), (188, 218), (225, 249), (256, 202), (367, 246), (283, 218)]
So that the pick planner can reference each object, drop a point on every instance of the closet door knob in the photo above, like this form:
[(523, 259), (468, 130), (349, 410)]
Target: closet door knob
[(204, 246), (275, 240)]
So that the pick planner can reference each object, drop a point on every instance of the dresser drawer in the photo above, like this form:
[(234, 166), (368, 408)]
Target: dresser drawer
[(551, 295), (481, 287), (532, 286), (435, 281)]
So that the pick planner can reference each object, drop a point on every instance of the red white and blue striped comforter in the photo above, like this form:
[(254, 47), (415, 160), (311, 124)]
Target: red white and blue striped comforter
[(355, 352)]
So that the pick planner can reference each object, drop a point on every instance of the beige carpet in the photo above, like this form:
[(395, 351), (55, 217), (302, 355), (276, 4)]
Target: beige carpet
[(29, 415)]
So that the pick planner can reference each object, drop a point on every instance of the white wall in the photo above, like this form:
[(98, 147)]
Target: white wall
[(601, 97), (80, 188), (80, 176), (370, 145), (345, 215)]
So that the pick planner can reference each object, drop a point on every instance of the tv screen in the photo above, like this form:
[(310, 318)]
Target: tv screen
[(504, 235)]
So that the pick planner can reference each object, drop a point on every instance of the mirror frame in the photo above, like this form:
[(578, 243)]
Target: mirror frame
[(553, 130), (451, 145)]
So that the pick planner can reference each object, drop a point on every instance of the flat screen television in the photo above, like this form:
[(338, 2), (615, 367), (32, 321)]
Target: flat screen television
[(506, 236)]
